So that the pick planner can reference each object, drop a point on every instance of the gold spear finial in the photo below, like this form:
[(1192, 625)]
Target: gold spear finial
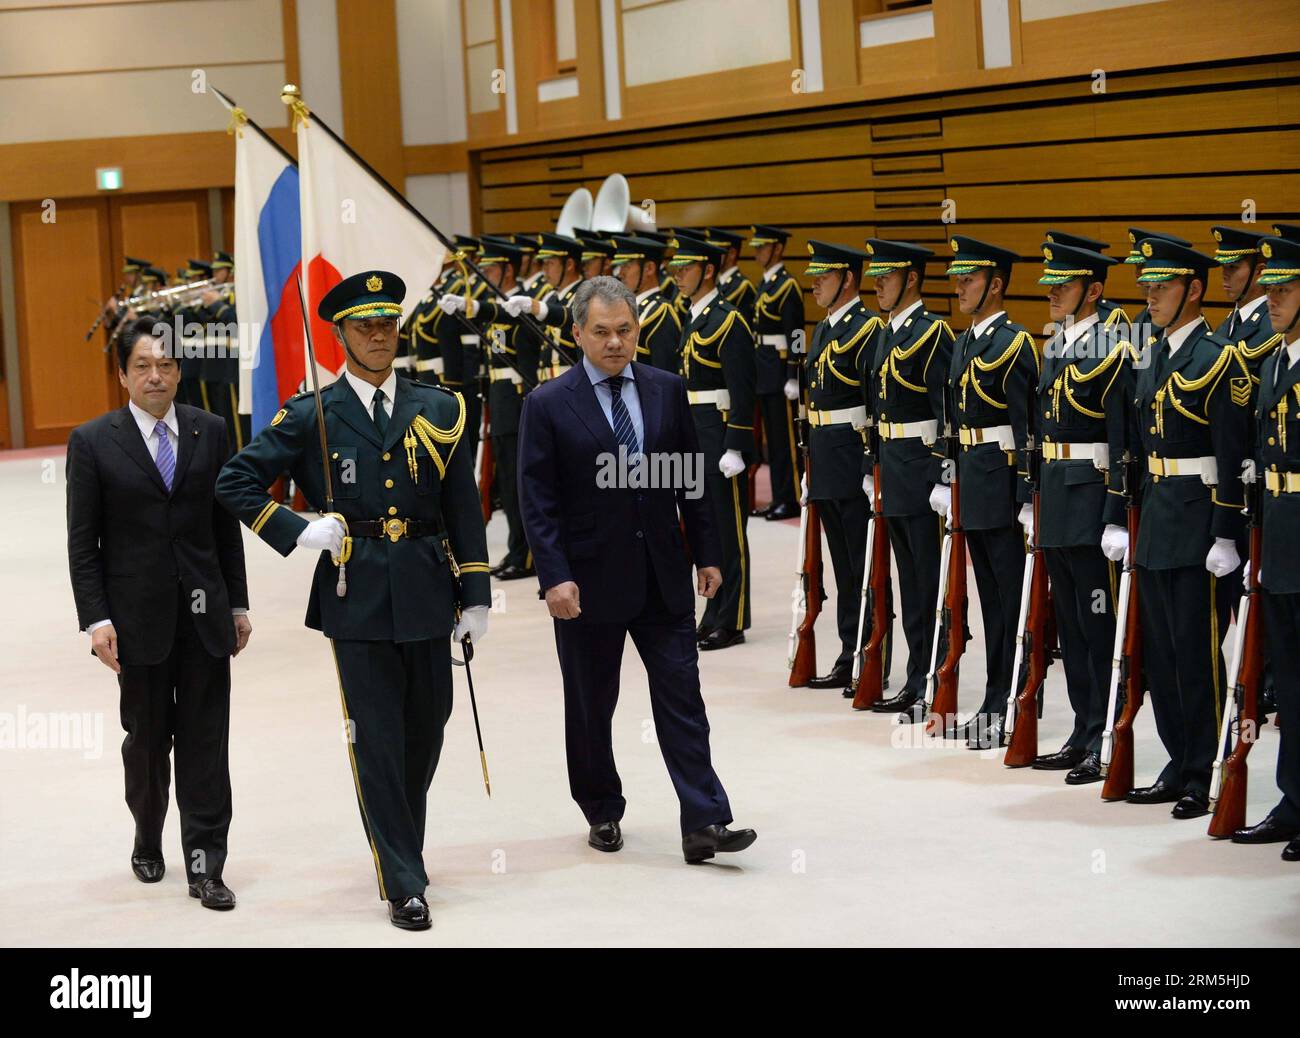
[(292, 97), (238, 120)]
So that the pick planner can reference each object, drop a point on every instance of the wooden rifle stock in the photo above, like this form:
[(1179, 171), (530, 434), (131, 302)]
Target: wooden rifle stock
[(1228, 783), (804, 665), (1023, 747), (870, 685), (487, 466), (1118, 771), (951, 629)]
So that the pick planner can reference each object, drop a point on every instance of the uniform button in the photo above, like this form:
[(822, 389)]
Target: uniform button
[(1047, 414), (1271, 441), (392, 510), (1155, 479), (388, 483), (640, 534), (1272, 414), (335, 455), (387, 456), (1152, 430)]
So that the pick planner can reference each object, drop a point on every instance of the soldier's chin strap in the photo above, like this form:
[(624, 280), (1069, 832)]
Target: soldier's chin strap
[(1294, 317), (988, 285), (358, 361), (1173, 321), (1250, 280)]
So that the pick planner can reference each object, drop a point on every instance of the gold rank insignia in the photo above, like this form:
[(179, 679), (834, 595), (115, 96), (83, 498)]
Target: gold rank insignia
[(1240, 388), (1267, 249), (1047, 254), (279, 416), (374, 283), (1146, 249)]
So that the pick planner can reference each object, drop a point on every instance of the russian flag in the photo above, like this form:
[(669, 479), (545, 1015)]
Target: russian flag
[(268, 252)]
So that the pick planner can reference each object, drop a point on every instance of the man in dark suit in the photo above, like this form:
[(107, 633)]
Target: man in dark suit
[(158, 579), (612, 561)]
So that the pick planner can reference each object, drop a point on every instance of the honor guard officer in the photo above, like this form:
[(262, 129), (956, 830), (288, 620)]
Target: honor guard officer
[(779, 328), (667, 283), (220, 370), (460, 344), (1108, 313), (1192, 400), (837, 420), (512, 350), (530, 268), (561, 259), (597, 254), (1080, 415), (733, 286), (188, 324), (1143, 327), (990, 378), (410, 534), (904, 396), (718, 365), (638, 263), (1277, 417)]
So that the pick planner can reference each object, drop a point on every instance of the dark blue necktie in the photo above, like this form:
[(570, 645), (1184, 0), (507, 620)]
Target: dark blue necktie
[(623, 428)]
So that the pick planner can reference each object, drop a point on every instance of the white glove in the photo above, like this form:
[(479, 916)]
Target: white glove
[(731, 464), (869, 487), (1026, 519), (941, 499), (803, 489), (791, 389), (324, 534), (1222, 558), (452, 304), (473, 622), (1114, 542), (517, 305)]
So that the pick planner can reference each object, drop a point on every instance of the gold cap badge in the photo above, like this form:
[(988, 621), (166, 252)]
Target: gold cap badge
[(374, 283), (1218, 236), (1267, 249), (1047, 254), (953, 243), (870, 249), (1146, 248), (1132, 237)]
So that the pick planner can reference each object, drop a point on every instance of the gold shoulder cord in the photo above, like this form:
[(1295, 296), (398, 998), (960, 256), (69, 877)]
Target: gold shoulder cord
[(421, 430)]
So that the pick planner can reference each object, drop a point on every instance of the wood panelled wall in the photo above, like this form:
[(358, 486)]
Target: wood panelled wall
[(1177, 150)]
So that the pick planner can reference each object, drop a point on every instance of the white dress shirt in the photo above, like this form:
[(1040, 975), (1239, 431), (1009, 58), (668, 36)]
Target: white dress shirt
[(1078, 329), (643, 296), (605, 396), (366, 392), (698, 308), (771, 271), (834, 319), (896, 322), (1177, 338), (980, 328), (1292, 352)]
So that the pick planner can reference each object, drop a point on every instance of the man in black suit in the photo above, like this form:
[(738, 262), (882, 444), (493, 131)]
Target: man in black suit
[(158, 578), (607, 457)]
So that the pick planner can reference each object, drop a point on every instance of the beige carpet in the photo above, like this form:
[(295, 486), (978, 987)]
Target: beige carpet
[(860, 841)]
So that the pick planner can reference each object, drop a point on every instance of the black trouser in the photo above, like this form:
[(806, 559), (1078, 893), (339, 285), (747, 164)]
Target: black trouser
[(782, 456), (916, 541), (1083, 597), (1282, 626), (729, 608), (998, 558), (591, 654), (223, 399), (473, 419), (1183, 619), (184, 701), (845, 523), (505, 458), (396, 700)]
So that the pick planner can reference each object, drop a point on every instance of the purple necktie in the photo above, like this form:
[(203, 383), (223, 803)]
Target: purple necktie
[(166, 459)]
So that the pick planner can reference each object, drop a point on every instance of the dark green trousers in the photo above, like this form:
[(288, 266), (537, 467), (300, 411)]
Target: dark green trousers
[(396, 699)]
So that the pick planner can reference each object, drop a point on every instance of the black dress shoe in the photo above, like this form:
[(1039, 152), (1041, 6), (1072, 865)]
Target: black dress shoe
[(1192, 805), (984, 732), (1291, 852), (409, 913), (715, 839), (1270, 830), (1159, 792), (760, 513), (214, 894), (905, 700), (605, 836), (837, 678), (1089, 770), (720, 638), (515, 573), (147, 868), (850, 693), (1064, 759), (785, 510), (702, 632)]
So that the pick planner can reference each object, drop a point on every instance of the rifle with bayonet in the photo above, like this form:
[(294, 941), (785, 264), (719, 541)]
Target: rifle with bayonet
[(869, 663), (1125, 697), (808, 594), (950, 632)]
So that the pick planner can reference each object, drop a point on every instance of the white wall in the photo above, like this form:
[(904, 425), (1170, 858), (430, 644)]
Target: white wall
[(443, 198), (318, 60), (669, 40), (432, 78)]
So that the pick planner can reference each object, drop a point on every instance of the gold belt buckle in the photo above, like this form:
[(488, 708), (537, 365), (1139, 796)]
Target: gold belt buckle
[(1156, 466), (396, 529), (966, 436)]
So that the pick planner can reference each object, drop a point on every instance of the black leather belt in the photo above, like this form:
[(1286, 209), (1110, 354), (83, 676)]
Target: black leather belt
[(394, 529)]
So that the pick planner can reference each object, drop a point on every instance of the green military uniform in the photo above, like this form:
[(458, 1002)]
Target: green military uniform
[(562, 351), (1080, 408), (1109, 313), (1143, 328), (733, 286), (837, 429), (661, 323), (404, 484), (779, 329), (718, 365), (1191, 421), (990, 378), (903, 390), (1277, 421)]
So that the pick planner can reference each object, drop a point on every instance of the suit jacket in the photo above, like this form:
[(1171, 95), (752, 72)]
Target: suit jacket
[(582, 531), (398, 590), (131, 542)]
